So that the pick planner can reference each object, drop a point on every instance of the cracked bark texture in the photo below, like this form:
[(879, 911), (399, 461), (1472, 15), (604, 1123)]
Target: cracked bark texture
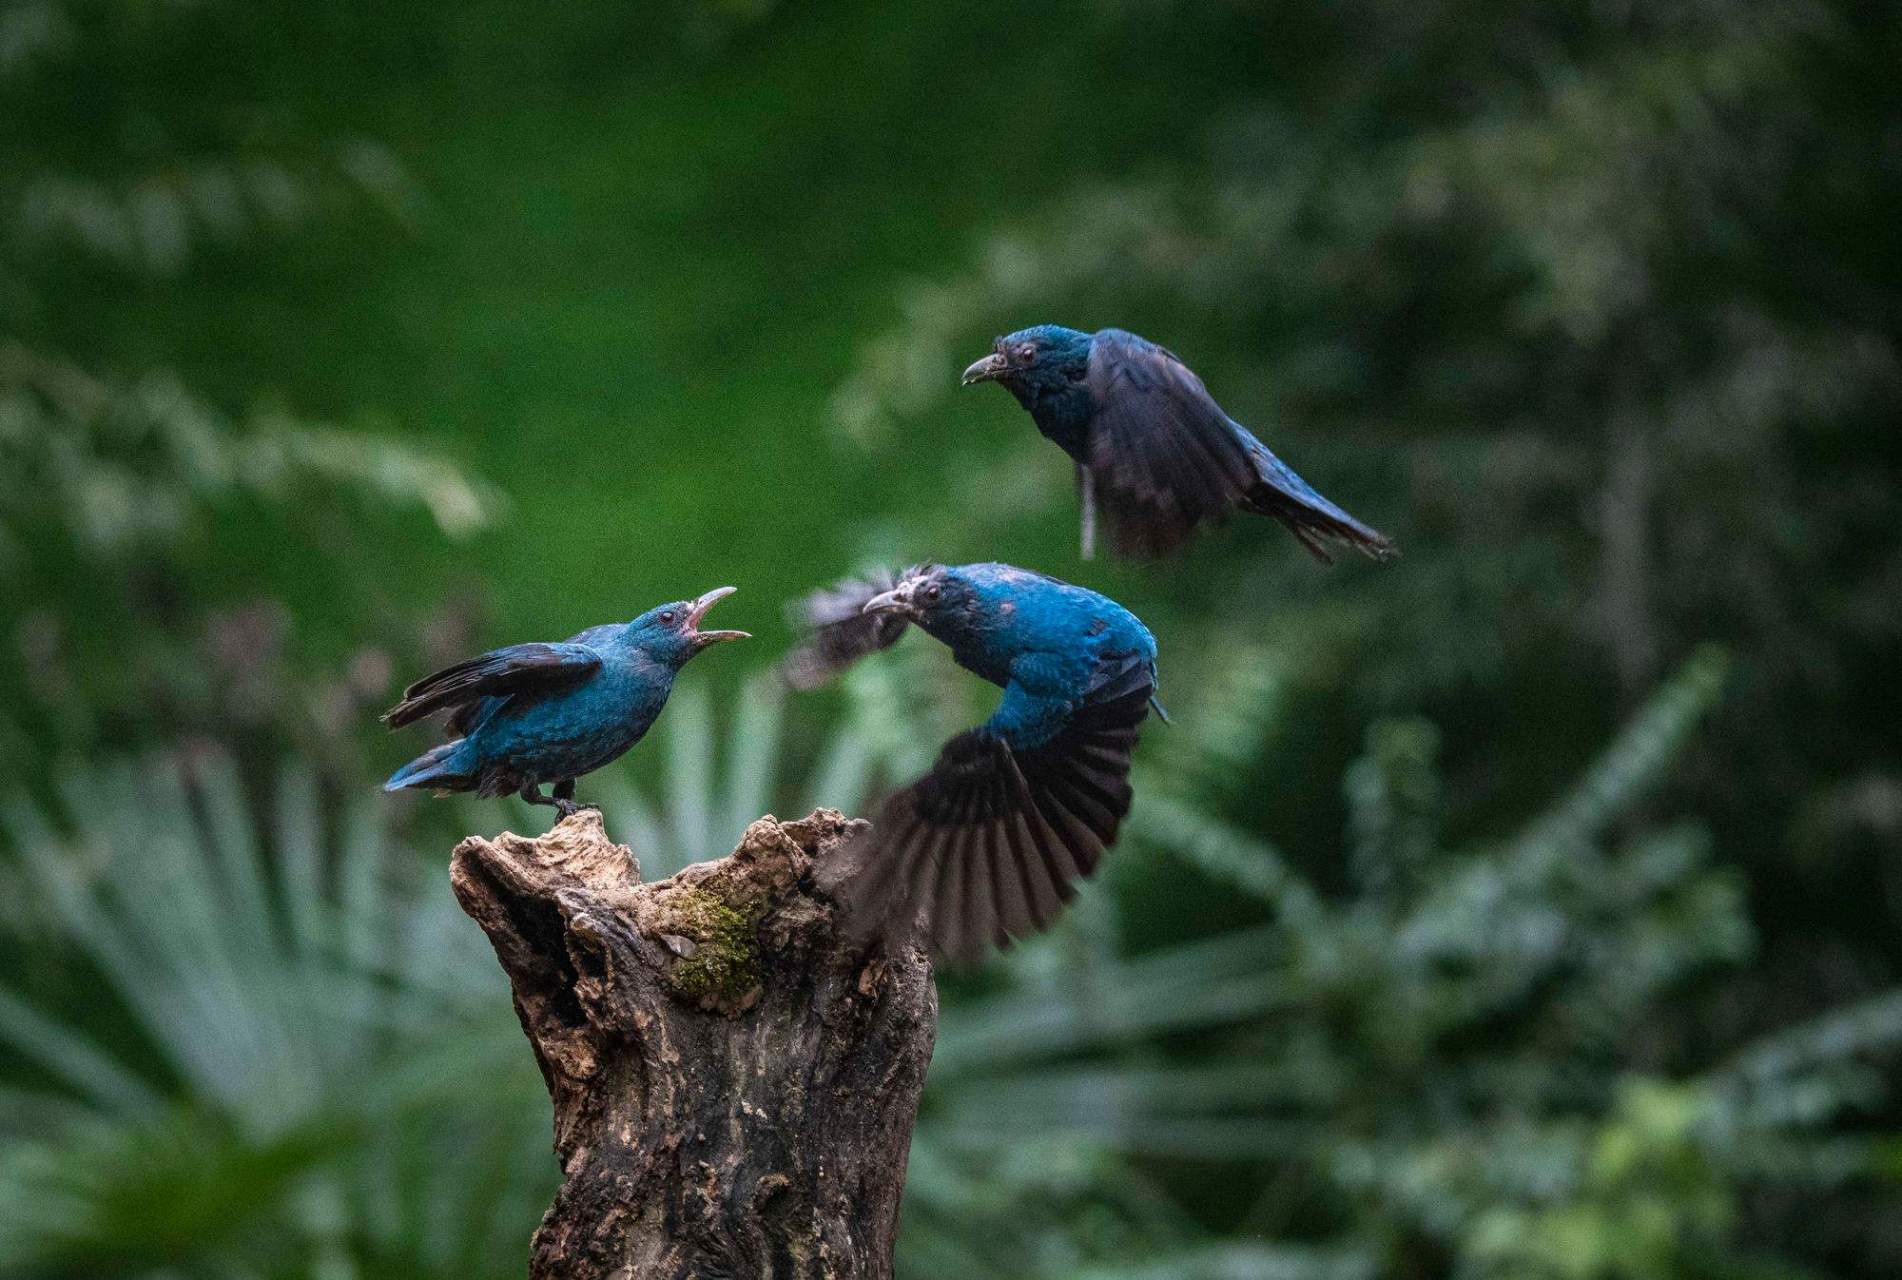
[(734, 1082)]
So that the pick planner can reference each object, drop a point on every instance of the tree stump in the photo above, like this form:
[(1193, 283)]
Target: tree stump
[(734, 1082)]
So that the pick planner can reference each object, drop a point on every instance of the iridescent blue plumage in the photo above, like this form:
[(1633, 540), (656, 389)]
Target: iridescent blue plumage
[(988, 845), (1152, 446), (535, 713)]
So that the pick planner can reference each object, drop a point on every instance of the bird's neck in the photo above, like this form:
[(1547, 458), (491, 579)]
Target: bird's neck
[(975, 645), (1062, 412), (654, 656)]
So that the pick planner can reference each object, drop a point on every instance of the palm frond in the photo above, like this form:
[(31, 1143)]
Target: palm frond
[(298, 1020)]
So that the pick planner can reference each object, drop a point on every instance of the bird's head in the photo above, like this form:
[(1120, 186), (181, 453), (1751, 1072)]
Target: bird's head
[(671, 632), (928, 595), (1042, 359)]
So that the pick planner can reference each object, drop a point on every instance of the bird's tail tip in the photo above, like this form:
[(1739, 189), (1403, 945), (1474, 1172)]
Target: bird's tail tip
[(1316, 531), (1310, 517), (1315, 522), (1378, 546), (432, 767)]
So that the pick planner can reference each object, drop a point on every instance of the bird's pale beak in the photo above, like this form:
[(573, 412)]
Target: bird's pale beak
[(989, 369), (698, 610), (897, 600)]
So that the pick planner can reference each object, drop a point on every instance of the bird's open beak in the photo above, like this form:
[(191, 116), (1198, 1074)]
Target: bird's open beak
[(897, 600), (698, 610), (989, 369)]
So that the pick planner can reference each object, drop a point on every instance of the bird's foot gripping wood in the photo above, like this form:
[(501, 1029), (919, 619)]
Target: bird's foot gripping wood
[(563, 799), (734, 1082), (565, 804)]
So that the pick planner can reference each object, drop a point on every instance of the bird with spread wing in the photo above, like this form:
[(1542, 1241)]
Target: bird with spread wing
[(989, 844)]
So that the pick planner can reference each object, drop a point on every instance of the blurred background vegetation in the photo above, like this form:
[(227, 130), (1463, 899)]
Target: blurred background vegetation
[(1527, 907)]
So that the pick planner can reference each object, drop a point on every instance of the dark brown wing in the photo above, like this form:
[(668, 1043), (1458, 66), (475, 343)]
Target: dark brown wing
[(520, 668), (988, 845), (1164, 458)]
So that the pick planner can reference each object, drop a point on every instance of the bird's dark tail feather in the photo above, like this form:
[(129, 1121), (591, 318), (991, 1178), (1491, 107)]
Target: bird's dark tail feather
[(1308, 516), (438, 767)]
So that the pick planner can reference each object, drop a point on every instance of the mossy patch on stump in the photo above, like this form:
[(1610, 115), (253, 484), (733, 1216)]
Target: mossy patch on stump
[(723, 971)]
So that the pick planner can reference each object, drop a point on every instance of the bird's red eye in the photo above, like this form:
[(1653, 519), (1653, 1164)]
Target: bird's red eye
[(1027, 354), (667, 616), (932, 592)]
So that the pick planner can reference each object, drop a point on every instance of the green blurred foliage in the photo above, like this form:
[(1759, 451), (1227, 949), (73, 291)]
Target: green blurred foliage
[(336, 341)]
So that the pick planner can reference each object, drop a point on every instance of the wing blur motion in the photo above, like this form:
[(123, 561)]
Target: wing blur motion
[(839, 633)]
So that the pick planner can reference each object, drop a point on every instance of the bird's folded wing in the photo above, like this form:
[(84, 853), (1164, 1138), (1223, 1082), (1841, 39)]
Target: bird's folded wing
[(988, 845), (1164, 456), (521, 668), (838, 632)]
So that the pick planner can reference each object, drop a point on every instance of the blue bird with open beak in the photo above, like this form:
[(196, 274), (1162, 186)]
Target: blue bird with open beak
[(548, 713)]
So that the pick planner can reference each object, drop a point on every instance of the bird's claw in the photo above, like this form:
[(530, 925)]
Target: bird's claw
[(565, 809)]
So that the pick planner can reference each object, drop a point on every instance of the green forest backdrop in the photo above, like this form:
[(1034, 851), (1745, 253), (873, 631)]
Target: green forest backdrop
[(1526, 907)]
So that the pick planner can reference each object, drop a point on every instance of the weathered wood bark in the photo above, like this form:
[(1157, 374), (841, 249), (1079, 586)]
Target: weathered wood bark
[(734, 1083)]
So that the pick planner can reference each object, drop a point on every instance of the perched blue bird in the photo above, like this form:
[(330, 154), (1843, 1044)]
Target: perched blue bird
[(989, 844), (1152, 446), (535, 713)]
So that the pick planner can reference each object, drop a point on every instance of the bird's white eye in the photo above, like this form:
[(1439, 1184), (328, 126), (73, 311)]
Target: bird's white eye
[(667, 617)]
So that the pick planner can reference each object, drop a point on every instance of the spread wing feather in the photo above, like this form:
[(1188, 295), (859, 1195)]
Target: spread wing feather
[(988, 845)]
